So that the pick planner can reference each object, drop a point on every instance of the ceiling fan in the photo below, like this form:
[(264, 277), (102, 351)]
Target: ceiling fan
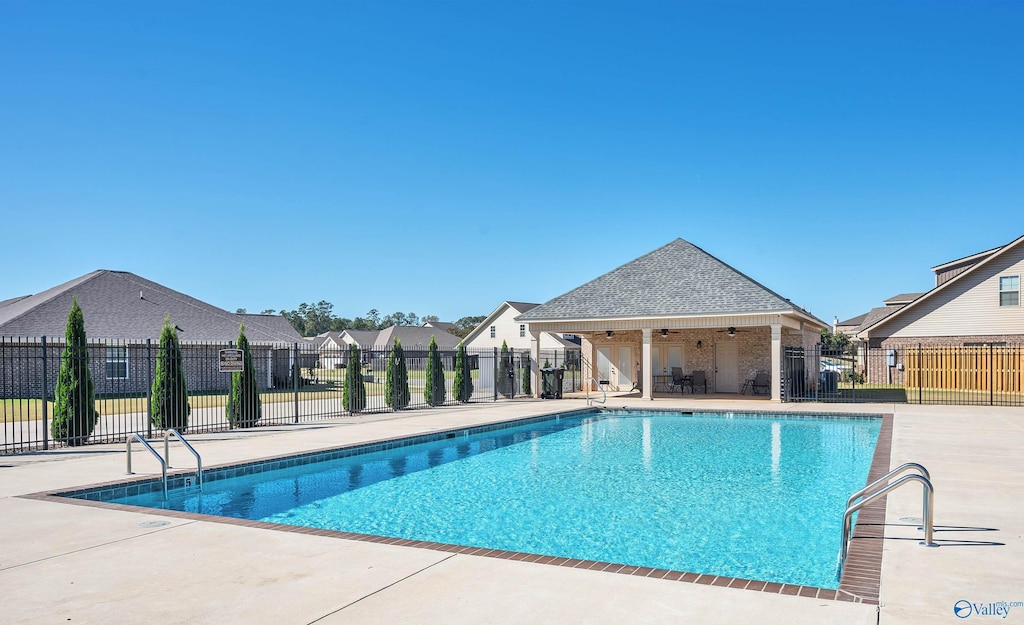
[(731, 331)]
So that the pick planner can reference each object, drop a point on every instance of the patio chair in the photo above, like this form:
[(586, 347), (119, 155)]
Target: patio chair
[(698, 378), (761, 383), (678, 379)]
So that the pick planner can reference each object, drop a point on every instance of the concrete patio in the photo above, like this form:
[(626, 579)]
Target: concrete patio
[(75, 563)]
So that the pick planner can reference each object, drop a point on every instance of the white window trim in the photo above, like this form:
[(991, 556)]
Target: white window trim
[(107, 360), (1001, 291)]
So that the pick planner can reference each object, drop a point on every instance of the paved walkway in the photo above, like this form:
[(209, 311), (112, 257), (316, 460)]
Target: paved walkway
[(78, 564)]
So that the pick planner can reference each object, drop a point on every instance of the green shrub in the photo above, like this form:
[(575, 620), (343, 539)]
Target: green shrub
[(396, 388), (526, 379), (74, 404), (354, 394), (433, 390), (463, 375), (244, 408), (169, 396), (504, 381)]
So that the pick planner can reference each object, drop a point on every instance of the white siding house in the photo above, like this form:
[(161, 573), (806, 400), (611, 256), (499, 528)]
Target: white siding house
[(501, 326)]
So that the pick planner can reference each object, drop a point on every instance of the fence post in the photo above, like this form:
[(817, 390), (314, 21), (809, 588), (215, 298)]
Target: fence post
[(991, 366), (149, 388), (296, 374), (921, 370), (495, 376), (231, 379), (46, 393)]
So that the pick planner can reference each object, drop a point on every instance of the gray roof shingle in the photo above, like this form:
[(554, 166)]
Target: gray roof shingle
[(676, 279), (123, 306)]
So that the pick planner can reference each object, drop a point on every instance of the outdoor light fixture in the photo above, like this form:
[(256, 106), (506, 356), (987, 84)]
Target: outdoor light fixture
[(664, 331), (698, 344), (732, 331), (608, 333)]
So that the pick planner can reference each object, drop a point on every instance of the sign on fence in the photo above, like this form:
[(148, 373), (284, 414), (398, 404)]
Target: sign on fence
[(231, 360)]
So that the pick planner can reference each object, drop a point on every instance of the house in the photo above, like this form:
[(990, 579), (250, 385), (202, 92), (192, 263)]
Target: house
[(976, 300), (333, 349), (677, 306), (501, 327), (124, 314)]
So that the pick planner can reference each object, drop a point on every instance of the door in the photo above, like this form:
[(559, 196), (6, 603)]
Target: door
[(604, 365), (614, 365), (625, 368), (727, 376)]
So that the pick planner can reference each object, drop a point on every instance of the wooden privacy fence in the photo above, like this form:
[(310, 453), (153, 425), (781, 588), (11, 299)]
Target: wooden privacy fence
[(995, 368)]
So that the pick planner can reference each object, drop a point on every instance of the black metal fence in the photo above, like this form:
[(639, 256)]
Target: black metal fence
[(295, 383), (988, 374)]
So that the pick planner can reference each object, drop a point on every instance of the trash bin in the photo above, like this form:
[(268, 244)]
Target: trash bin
[(830, 382), (551, 382)]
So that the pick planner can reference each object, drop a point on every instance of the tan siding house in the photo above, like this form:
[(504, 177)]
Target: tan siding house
[(975, 305)]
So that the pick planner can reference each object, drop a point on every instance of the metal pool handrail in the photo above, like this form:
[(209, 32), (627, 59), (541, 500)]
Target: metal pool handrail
[(885, 478), (604, 395), (128, 456), (927, 513), (167, 454)]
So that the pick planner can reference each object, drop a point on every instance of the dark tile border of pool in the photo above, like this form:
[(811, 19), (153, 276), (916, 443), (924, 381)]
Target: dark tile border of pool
[(859, 583)]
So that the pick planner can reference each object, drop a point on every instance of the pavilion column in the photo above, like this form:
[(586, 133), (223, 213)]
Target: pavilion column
[(535, 380), (645, 365), (777, 362)]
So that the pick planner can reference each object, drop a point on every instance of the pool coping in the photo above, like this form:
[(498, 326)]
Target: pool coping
[(859, 582)]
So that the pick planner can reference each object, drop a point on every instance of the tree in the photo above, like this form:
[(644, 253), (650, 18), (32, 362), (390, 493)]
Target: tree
[(837, 343), (269, 311), (463, 375), (429, 319), (169, 395), (526, 379), (240, 311), (433, 390), (396, 388), (74, 402), (466, 325), (244, 407), (354, 394), (504, 380)]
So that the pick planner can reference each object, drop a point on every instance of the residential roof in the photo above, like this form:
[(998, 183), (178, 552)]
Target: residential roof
[(12, 300), (674, 280), (975, 257), (417, 337), (875, 315), (441, 325), (121, 305), (363, 338), (274, 323), (522, 307), (853, 321), (902, 298), (996, 253)]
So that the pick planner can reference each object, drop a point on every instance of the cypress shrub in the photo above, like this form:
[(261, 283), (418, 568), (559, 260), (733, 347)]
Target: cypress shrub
[(504, 380), (526, 379), (463, 375), (396, 388), (74, 402), (169, 397), (244, 408), (433, 390), (354, 394)]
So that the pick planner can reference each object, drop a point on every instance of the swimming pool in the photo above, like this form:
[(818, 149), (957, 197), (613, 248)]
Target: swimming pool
[(754, 496)]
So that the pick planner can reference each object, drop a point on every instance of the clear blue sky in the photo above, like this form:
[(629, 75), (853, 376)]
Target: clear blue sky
[(440, 157)]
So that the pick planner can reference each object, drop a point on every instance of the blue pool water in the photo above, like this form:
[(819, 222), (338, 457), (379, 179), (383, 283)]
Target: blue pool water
[(757, 498)]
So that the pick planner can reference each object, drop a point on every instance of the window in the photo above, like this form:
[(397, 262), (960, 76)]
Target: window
[(1009, 290), (117, 363), (522, 330), (493, 333)]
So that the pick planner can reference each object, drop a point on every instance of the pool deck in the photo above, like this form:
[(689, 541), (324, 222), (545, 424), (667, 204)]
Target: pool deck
[(84, 564)]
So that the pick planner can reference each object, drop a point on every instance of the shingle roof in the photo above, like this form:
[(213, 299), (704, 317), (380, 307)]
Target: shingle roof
[(676, 279), (854, 321), (875, 315), (416, 337), (271, 323), (121, 305), (440, 325), (903, 298)]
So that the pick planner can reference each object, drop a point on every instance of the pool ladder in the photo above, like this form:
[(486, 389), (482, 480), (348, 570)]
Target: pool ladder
[(165, 461), (600, 386), (869, 494)]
